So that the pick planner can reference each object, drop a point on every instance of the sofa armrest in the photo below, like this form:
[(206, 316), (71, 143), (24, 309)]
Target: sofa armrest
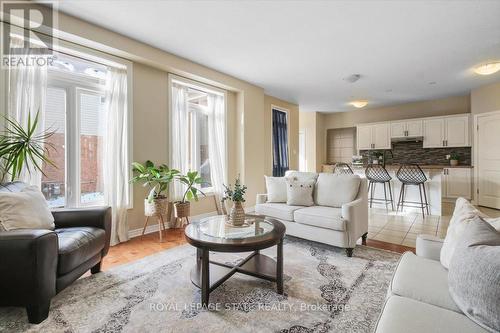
[(28, 266), (356, 215), (429, 247), (87, 217), (261, 198)]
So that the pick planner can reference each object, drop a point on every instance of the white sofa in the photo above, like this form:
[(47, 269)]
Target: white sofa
[(418, 299), (340, 227)]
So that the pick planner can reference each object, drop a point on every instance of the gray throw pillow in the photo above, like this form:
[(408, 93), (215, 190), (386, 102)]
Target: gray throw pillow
[(474, 274), (299, 193)]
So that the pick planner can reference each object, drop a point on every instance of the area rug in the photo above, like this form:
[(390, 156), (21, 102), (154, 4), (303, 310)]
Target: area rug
[(325, 291)]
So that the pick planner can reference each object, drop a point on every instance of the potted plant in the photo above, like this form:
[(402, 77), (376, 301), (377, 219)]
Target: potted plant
[(454, 157), (20, 147), (237, 196), (191, 180), (157, 179)]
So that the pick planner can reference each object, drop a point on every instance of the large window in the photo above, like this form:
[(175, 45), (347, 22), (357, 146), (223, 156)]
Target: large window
[(198, 129), (75, 111), (280, 142)]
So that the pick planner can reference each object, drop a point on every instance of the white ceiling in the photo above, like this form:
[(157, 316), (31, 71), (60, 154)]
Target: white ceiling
[(301, 50)]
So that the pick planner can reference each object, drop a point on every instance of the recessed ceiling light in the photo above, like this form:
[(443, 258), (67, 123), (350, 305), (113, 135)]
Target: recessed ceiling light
[(359, 104), (388, 90), (488, 68), (432, 82)]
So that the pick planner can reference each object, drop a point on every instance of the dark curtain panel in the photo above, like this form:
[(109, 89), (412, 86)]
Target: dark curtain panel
[(280, 143)]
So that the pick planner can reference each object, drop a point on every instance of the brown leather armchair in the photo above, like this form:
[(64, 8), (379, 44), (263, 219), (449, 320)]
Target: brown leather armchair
[(37, 264)]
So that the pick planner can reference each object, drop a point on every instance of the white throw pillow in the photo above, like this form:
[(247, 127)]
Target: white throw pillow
[(299, 193), (276, 189), (334, 190), (301, 175), (26, 209), (463, 214)]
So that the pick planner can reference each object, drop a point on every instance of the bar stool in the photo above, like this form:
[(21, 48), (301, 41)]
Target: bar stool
[(376, 173), (411, 174), (342, 169)]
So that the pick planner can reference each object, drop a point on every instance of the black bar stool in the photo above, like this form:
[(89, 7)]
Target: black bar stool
[(343, 169), (411, 174), (376, 173)]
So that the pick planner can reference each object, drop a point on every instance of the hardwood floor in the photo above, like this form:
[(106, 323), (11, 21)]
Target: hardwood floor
[(140, 247)]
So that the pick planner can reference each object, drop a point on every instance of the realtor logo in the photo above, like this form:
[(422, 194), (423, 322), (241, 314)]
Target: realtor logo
[(27, 39)]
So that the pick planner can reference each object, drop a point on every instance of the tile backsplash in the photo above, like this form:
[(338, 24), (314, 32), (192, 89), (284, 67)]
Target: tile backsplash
[(412, 152)]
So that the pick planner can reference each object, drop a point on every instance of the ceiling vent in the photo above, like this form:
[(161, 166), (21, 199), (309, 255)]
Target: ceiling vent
[(352, 78)]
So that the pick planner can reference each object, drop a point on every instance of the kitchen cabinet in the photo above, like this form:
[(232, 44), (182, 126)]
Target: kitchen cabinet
[(457, 182), (407, 128), (373, 136), (450, 131)]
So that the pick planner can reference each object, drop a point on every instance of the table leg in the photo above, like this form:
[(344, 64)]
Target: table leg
[(205, 277), (279, 268)]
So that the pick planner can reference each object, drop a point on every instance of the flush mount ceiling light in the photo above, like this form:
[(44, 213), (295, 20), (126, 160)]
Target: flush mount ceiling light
[(488, 68), (352, 78), (359, 104)]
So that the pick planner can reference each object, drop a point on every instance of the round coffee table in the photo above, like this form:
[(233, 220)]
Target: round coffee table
[(214, 234)]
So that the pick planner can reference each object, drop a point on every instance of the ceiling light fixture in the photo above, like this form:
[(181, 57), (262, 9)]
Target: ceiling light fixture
[(488, 68), (359, 104)]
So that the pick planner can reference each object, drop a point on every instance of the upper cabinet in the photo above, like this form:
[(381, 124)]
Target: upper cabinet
[(373, 136), (406, 128), (452, 131)]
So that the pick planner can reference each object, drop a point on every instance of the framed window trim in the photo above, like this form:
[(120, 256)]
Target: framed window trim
[(173, 78), (287, 112)]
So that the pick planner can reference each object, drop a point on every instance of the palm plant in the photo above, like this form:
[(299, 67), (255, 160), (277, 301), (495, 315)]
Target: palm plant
[(156, 178), (20, 147)]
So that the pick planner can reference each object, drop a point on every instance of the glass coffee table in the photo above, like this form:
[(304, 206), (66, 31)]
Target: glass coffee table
[(215, 234)]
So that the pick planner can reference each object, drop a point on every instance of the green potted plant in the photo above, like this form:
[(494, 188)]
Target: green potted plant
[(20, 147), (157, 179), (237, 196), (454, 158), (182, 208)]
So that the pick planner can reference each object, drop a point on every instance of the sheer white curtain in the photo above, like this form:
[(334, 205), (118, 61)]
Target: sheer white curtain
[(217, 144), (179, 129), (27, 89), (116, 164)]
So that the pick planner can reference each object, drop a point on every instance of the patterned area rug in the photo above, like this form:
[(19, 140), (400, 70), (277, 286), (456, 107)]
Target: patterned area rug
[(324, 292)]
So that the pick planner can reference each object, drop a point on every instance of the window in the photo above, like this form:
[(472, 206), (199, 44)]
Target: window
[(75, 111), (198, 136), (280, 142)]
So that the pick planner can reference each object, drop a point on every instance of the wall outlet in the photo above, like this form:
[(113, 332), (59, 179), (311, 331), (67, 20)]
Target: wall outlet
[(448, 157)]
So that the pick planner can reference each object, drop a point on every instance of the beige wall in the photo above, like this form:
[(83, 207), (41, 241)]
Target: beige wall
[(293, 131), (438, 107), (312, 123), (485, 98), (246, 109)]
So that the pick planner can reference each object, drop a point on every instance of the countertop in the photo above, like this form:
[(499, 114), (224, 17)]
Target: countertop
[(425, 167)]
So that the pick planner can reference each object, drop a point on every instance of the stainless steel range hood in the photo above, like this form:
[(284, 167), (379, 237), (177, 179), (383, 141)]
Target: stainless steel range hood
[(408, 139)]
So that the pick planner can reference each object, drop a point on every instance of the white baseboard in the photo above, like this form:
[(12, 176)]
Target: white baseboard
[(153, 227)]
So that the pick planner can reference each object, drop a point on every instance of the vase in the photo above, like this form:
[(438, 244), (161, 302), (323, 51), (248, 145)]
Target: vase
[(182, 209), (237, 215), (453, 162), (159, 206)]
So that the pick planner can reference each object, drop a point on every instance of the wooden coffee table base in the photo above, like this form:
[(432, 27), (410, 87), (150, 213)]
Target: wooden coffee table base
[(208, 275)]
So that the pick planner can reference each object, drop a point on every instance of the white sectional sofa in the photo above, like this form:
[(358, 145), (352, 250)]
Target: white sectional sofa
[(338, 226)]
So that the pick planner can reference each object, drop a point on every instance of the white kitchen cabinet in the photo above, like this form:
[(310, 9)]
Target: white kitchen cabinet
[(374, 136), (434, 133), (457, 182), (409, 128), (452, 131)]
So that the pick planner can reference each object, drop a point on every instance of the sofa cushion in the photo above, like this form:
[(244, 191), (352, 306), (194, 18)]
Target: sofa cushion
[(423, 280), (334, 190), (299, 192), (280, 211), (276, 189), (320, 216), (300, 175), (401, 314), (77, 245), (474, 274)]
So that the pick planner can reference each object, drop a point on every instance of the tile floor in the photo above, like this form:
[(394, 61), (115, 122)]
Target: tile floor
[(403, 227)]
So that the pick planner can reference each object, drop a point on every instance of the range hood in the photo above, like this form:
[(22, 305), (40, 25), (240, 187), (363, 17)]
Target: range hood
[(408, 139)]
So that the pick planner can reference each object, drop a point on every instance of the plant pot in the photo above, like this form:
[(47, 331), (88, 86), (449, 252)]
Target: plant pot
[(158, 206), (453, 162), (182, 209), (237, 215)]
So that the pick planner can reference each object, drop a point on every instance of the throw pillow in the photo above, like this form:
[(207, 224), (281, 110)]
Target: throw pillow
[(299, 193), (463, 214), (300, 175), (474, 274), (276, 189), (334, 190), (26, 209)]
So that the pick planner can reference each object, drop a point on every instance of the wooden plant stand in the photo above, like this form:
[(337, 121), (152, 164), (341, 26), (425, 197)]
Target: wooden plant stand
[(161, 226)]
